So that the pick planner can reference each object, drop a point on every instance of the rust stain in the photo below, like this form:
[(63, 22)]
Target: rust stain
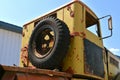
[(80, 34), (75, 34), (24, 56), (25, 27), (70, 70), (88, 70), (74, 48), (71, 11), (77, 57), (23, 34), (83, 35)]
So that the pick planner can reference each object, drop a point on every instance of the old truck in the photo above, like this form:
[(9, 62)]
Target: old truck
[(60, 46)]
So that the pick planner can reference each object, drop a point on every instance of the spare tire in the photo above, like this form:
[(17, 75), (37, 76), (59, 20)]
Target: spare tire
[(48, 43)]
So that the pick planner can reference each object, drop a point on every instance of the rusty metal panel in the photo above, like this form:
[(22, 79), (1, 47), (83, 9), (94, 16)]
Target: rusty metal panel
[(19, 73), (8, 76), (21, 76), (27, 76)]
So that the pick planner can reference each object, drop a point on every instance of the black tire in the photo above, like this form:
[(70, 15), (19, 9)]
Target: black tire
[(40, 52)]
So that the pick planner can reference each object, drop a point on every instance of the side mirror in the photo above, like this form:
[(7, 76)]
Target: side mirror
[(110, 23)]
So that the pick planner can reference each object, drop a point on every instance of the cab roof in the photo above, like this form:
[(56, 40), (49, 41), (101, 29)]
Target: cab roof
[(63, 6)]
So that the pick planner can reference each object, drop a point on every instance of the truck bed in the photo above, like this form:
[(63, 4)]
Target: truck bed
[(20, 73)]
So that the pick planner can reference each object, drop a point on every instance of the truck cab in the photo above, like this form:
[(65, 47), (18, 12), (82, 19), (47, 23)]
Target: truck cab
[(81, 51)]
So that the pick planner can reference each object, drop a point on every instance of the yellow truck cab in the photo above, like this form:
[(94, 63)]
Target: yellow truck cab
[(63, 40), (69, 44)]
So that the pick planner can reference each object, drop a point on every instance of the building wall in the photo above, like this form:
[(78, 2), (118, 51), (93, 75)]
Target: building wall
[(10, 43)]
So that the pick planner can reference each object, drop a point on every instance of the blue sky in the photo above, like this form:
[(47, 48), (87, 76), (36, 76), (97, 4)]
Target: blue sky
[(19, 12)]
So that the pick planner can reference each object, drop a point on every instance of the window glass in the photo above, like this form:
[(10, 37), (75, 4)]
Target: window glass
[(114, 62)]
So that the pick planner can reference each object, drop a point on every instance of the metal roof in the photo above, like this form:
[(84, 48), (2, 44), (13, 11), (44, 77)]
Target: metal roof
[(10, 27)]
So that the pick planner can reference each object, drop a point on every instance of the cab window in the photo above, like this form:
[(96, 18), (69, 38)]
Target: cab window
[(92, 24)]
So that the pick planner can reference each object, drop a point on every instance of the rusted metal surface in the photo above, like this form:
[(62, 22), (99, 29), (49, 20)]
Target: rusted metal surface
[(80, 34), (24, 56), (37, 77), (19, 73), (23, 34), (70, 70), (8, 76), (71, 11), (25, 76)]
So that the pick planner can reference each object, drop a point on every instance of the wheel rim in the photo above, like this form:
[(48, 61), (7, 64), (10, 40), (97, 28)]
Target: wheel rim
[(44, 41)]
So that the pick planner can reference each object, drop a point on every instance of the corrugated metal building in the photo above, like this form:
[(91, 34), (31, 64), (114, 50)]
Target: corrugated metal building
[(10, 43)]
